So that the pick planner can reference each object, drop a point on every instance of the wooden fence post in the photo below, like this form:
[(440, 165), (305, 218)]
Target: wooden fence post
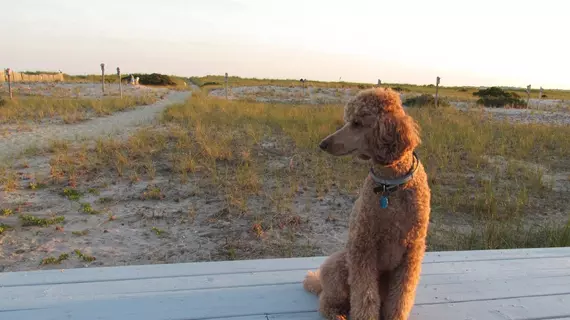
[(226, 84), (8, 71), (528, 96), (120, 82), (103, 77), (436, 90), (539, 97)]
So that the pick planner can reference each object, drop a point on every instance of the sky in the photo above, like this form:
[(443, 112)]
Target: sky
[(480, 43)]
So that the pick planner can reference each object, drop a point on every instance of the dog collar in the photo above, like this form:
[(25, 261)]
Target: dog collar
[(386, 186)]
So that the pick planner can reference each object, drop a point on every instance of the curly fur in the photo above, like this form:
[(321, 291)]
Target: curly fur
[(375, 276)]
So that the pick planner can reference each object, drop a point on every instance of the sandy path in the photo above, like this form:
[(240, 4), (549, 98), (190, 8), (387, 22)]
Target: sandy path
[(115, 124)]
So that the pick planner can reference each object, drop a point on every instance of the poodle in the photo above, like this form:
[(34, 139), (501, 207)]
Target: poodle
[(376, 274)]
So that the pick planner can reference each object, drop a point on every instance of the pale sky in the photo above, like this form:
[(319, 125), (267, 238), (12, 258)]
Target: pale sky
[(483, 42)]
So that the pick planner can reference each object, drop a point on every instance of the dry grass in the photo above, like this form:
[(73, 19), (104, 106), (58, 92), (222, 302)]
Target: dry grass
[(69, 110), (490, 180), (494, 176)]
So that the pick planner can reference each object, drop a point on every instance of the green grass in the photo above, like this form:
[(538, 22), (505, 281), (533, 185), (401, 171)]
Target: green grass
[(80, 233), (65, 256), (29, 220), (84, 257), (87, 208), (4, 228), (93, 191), (69, 110), (157, 231), (54, 260), (72, 194)]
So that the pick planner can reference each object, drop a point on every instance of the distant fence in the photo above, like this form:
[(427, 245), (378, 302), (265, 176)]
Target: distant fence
[(23, 77)]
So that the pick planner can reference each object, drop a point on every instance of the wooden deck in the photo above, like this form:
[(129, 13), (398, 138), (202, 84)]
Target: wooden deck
[(486, 285)]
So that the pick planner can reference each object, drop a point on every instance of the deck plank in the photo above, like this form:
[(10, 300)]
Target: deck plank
[(271, 298), (474, 283), (541, 307), (210, 268), (275, 302), (499, 284), (201, 304), (454, 271)]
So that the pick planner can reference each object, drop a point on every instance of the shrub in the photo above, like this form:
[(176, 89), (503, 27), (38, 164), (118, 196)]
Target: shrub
[(210, 83), (153, 79), (496, 97), (426, 100), (400, 89), (2, 102), (196, 81)]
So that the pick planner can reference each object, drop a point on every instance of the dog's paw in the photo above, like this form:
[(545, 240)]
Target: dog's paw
[(312, 282)]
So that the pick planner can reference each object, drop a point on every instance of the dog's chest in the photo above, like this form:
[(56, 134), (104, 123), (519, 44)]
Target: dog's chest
[(391, 245), (392, 231), (387, 231)]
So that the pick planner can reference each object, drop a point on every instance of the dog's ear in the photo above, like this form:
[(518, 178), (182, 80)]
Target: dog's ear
[(394, 136)]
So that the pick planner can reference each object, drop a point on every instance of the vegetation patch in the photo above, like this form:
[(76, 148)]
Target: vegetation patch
[(4, 228), (84, 257), (68, 110), (153, 79), (29, 220), (495, 97), (72, 194), (54, 260), (426, 100)]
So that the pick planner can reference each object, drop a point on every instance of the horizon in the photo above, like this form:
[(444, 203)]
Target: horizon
[(317, 40)]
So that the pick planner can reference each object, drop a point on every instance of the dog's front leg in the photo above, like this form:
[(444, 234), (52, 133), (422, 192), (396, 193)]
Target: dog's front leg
[(402, 284), (363, 282)]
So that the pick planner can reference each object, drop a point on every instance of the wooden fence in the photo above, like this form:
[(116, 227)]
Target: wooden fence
[(22, 77)]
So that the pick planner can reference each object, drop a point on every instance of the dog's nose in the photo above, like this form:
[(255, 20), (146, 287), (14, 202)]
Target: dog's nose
[(324, 144)]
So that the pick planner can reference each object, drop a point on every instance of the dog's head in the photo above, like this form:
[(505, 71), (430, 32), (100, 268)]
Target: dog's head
[(375, 127)]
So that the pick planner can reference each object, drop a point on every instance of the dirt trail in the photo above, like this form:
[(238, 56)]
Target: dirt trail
[(115, 124)]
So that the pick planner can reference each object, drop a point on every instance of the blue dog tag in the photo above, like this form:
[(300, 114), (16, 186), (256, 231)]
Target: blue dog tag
[(383, 202)]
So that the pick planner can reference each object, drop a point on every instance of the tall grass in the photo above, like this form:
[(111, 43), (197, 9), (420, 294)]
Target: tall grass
[(456, 150), (70, 110), (487, 178)]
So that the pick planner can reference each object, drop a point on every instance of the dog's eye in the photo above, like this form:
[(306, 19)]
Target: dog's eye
[(356, 123)]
